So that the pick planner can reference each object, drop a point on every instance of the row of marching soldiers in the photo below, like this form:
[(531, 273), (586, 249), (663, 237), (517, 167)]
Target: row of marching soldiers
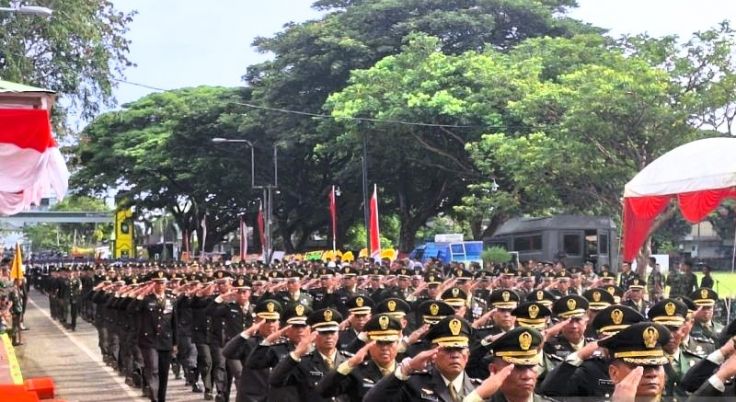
[(276, 336)]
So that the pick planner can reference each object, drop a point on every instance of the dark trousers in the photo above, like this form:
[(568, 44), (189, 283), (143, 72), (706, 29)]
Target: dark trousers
[(204, 364), (234, 368), (156, 364), (74, 311), (220, 375), (187, 353)]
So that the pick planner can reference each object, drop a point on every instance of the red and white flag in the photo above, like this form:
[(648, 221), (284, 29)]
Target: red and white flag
[(333, 218), (30, 161), (243, 239), (375, 245), (261, 229)]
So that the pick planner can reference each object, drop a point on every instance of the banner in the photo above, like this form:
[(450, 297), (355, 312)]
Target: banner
[(375, 244), (261, 229), (243, 239), (16, 270), (124, 245)]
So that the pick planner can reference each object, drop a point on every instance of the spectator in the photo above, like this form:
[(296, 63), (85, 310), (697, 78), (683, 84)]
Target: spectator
[(684, 282), (707, 281), (655, 284)]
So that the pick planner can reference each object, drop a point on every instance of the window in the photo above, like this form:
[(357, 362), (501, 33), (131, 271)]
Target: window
[(457, 249), (499, 243), (571, 244), (528, 243), (603, 243)]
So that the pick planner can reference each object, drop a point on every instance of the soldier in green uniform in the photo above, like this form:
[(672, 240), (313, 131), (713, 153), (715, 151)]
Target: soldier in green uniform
[(637, 368), (705, 331), (673, 314), (572, 308)]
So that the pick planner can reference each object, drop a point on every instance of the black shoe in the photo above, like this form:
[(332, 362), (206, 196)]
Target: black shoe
[(129, 381), (220, 398), (208, 396), (197, 388)]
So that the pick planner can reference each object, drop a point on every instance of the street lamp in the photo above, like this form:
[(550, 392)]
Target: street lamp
[(268, 190), (29, 10)]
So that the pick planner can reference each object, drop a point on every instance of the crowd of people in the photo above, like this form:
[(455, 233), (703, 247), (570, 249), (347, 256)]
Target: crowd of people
[(401, 331)]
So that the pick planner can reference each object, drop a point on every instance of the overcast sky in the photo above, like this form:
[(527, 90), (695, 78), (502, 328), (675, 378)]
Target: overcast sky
[(177, 43)]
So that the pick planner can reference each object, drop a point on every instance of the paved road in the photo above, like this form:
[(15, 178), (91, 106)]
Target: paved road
[(73, 360)]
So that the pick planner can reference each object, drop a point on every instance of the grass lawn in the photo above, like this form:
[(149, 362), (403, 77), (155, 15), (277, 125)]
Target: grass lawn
[(725, 283)]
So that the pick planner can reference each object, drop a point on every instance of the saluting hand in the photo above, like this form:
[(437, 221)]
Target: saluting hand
[(360, 356), (625, 391), (482, 319), (419, 361), (492, 384), (552, 331), (418, 333), (277, 335), (305, 344), (253, 328)]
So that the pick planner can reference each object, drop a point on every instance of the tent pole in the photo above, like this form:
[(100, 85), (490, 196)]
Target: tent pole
[(733, 251)]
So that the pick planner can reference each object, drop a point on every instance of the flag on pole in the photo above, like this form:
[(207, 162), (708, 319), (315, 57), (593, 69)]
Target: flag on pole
[(375, 246), (261, 229), (16, 270), (204, 235), (333, 218), (243, 239)]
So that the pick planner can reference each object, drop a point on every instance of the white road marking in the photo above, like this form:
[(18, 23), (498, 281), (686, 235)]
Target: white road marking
[(131, 393)]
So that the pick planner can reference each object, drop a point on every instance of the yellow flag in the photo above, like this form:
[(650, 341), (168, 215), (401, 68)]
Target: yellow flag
[(16, 270)]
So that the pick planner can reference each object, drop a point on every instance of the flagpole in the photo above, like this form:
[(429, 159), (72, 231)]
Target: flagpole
[(333, 216)]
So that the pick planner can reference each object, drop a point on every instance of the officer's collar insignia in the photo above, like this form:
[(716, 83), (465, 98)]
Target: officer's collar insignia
[(328, 315), (359, 302), (270, 307), (670, 308), (571, 304), (650, 335), (391, 305), (617, 316), (533, 311), (434, 309), (525, 341), (383, 322), (506, 296), (299, 309), (596, 296), (455, 327)]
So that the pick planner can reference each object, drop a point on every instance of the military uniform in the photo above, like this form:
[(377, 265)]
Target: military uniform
[(705, 335), (304, 373), (75, 291), (157, 337)]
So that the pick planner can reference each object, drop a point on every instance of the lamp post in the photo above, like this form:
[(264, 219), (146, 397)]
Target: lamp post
[(267, 189)]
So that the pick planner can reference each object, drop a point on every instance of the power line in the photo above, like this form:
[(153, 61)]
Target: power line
[(327, 116)]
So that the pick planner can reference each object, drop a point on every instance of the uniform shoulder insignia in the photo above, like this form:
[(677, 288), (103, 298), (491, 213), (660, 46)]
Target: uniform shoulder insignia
[(477, 381), (346, 354)]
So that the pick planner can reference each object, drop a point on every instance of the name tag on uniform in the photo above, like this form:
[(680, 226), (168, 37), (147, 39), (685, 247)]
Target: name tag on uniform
[(168, 307), (605, 383), (316, 373), (428, 395)]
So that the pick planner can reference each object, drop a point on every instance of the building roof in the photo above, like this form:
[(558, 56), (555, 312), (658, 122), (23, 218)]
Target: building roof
[(7, 86), (535, 224)]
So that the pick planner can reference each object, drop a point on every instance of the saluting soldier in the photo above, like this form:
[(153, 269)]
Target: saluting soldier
[(304, 367), (276, 347), (324, 296), (431, 312), (572, 309), (673, 314), (638, 360), (445, 380), (293, 293), (221, 378), (374, 361), (584, 373), (157, 333), (515, 357), (705, 331), (497, 321), (253, 384), (75, 291), (359, 308), (234, 310), (348, 290), (635, 295), (598, 299)]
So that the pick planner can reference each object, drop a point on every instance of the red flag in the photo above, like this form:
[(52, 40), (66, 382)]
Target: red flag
[(261, 229), (243, 239), (375, 245), (333, 217)]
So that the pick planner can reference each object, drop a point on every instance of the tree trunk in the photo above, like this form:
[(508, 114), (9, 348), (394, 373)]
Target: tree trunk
[(642, 258)]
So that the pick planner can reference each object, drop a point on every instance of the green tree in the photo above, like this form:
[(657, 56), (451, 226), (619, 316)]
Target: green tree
[(158, 153), (78, 52), (314, 59)]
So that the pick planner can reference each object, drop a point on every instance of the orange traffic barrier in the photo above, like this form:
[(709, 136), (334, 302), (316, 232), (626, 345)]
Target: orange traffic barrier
[(17, 393), (43, 387)]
